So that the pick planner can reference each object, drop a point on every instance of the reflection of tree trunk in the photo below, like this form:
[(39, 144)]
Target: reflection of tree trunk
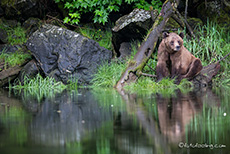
[(146, 121), (135, 66)]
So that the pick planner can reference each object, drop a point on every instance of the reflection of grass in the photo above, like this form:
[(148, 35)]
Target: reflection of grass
[(109, 98), (40, 87), (14, 121), (165, 86), (212, 126)]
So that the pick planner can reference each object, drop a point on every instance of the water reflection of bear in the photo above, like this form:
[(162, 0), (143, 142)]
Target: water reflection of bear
[(176, 112)]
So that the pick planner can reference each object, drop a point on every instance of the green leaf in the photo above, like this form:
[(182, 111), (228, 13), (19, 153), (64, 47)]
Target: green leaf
[(56, 1), (66, 20), (111, 7), (68, 5)]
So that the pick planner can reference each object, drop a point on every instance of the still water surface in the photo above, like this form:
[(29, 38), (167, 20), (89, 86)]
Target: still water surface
[(107, 122)]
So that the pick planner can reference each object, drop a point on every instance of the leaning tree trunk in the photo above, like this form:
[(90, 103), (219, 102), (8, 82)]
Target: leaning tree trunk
[(135, 66)]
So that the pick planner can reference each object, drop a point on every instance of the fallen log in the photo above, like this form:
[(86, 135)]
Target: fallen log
[(9, 74), (135, 66)]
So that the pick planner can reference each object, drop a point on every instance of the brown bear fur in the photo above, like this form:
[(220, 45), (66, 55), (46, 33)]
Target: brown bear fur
[(174, 60)]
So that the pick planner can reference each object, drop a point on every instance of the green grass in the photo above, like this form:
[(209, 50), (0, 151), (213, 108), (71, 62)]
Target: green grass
[(13, 59), (72, 84), (212, 44), (40, 87), (103, 37), (108, 74), (16, 35)]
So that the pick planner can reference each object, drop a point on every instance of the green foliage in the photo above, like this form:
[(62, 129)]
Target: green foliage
[(100, 9), (108, 74), (8, 2), (16, 35), (142, 4), (103, 37), (13, 59)]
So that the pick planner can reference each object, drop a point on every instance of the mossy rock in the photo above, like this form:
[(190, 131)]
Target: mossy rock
[(172, 25), (21, 9), (8, 2), (194, 22), (214, 12)]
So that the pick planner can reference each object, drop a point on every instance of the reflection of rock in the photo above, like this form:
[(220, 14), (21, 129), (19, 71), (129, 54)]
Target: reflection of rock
[(64, 54), (67, 119)]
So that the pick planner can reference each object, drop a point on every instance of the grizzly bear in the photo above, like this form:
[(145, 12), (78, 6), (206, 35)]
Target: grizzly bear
[(174, 60)]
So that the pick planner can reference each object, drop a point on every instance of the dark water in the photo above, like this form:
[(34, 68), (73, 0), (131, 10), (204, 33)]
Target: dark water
[(107, 122)]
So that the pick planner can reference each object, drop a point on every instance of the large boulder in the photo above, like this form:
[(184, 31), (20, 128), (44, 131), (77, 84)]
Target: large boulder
[(66, 55), (131, 27)]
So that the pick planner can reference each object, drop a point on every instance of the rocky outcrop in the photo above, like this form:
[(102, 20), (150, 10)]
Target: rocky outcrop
[(214, 11), (31, 25), (3, 36), (66, 55), (21, 9), (1, 11), (129, 28)]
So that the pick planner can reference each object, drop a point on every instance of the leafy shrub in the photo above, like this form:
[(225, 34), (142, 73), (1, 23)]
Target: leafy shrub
[(100, 8)]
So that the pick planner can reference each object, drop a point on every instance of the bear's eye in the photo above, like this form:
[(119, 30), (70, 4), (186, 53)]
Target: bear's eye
[(179, 42), (172, 42)]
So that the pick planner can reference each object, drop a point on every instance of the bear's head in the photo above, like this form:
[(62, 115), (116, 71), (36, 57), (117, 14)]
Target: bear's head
[(173, 41)]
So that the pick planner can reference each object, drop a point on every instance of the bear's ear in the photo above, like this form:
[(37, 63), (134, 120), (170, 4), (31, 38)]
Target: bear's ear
[(165, 34), (181, 35)]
